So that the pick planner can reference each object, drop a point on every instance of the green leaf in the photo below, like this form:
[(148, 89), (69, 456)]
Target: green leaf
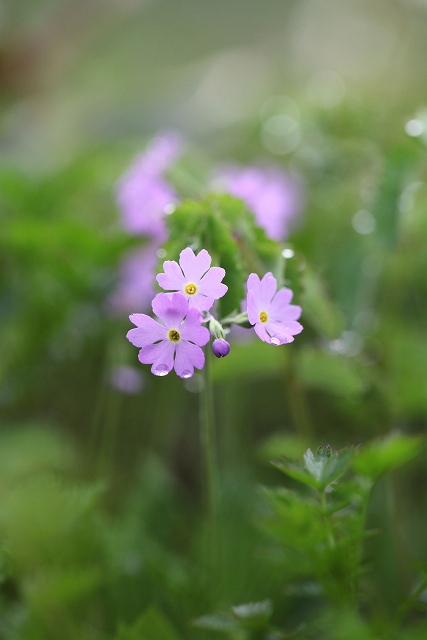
[(225, 248), (296, 470), (52, 586), (320, 469), (252, 360), (326, 467), (399, 163), (226, 229), (381, 456), (221, 622), (151, 625), (185, 226), (335, 373), (253, 615), (298, 524), (320, 311)]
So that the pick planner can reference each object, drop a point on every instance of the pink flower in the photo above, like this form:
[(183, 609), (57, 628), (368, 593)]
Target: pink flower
[(176, 343), (135, 288), (274, 196), (143, 193), (274, 318), (194, 278), (126, 379)]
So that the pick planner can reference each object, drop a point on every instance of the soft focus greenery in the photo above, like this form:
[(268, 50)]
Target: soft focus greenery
[(103, 529)]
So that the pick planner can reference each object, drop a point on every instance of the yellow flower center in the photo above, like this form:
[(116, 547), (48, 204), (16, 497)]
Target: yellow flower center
[(190, 289), (174, 335), (263, 317)]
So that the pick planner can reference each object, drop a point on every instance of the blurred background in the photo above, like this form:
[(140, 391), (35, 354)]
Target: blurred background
[(101, 515)]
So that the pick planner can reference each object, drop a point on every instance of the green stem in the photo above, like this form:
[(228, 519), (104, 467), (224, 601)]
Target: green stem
[(327, 519), (365, 493), (298, 401), (208, 445)]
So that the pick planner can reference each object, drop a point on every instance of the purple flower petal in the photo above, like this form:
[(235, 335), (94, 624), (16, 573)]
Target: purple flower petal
[(135, 288), (280, 303), (253, 311), (192, 330), (126, 379), (291, 328), (160, 355), (200, 302), (261, 332), (291, 312), (172, 278), (211, 284), (254, 284), (279, 332), (279, 324), (274, 196), (143, 193), (147, 331), (162, 152), (171, 310), (187, 357), (194, 266), (206, 289), (268, 288)]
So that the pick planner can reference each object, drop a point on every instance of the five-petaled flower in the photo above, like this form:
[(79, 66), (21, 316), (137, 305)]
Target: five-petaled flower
[(174, 344), (194, 278), (274, 318)]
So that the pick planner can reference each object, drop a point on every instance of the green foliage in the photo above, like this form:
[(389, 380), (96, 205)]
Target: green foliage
[(51, 535), (56, 263), (382, 456), (103, 527), (319, 529), (227, 230), (254, 615), (318, 470), (320, 311), (334, 373), (151, 624)]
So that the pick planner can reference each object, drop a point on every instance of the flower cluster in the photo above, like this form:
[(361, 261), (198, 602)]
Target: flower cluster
[(193, 286), (274, 196), (144, 197)]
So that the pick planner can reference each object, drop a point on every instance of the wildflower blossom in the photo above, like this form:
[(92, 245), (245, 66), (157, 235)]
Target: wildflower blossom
[(274, 318), (194, 278), (143, 194), (271, 194), (220, 347), (135, 287), (176, 343), (126, 379)]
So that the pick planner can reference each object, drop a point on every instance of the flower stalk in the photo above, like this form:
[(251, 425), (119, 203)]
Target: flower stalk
[(210, 460)]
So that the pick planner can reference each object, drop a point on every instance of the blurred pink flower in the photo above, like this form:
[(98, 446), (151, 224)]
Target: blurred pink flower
[(274, 196), (135, 288), (143, 193), (126, 379)]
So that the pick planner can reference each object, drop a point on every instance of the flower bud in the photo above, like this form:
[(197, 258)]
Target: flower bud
[(215, 328), (220, 347)]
